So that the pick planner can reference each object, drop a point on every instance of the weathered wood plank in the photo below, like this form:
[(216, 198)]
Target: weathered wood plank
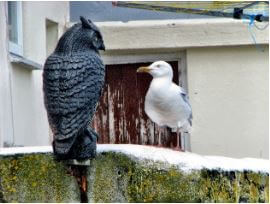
[(130, 104), (115, 104), (101, 119)]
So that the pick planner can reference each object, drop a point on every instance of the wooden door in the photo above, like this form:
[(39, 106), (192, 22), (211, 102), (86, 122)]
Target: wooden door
[(120, 116)]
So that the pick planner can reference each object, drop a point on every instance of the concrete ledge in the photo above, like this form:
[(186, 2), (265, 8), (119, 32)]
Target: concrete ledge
[(133, 173), (179, 34), (26, 63)]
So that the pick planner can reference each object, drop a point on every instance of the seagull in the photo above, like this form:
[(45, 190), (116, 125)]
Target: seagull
[(166, 103)]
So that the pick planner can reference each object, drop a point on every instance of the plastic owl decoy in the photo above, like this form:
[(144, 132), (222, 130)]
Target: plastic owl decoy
[(73, 79)]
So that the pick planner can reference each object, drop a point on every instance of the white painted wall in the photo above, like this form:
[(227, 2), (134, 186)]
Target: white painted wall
[(30, 119), (176, 34), (228, 88), (35, 14), (30, 124), (6, 122)]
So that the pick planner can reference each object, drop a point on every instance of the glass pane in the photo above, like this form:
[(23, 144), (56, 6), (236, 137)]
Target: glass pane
[(12, 21)]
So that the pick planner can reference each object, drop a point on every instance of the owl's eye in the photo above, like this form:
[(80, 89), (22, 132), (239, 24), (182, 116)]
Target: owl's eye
[(96, 38)]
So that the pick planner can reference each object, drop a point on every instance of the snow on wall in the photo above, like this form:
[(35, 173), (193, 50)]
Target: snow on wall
[(186, 160), (7, 151)]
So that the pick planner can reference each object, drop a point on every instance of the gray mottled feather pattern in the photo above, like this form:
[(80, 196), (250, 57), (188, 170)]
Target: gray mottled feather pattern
[(71, 96), (185, 98)]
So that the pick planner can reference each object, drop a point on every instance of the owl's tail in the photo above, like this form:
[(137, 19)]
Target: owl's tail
[(83, 146), (61, 148)]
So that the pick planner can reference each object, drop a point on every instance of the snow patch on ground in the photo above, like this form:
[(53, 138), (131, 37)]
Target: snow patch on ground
[(186, 160)]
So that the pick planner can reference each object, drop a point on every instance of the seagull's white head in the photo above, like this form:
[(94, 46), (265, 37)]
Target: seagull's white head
[(158, 69)]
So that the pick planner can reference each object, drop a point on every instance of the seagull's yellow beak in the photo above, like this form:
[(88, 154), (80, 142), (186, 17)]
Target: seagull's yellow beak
[(144, 69)]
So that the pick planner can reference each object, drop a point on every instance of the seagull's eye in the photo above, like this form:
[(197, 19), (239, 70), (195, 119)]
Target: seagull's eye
[(158, 66)]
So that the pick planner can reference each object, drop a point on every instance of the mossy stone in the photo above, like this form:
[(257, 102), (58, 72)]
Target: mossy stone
[(116, 177), (36, 178)]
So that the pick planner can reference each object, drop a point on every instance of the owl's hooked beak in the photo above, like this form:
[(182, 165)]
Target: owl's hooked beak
[(144, 69), (102, 47)]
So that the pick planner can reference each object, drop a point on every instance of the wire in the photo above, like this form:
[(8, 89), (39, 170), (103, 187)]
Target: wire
[(261, 28), (250, 25)]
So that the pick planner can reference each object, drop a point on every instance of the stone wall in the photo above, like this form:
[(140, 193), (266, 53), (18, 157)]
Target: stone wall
[(117, 176)]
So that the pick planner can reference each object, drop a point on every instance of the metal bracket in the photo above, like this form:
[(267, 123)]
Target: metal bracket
[(75, 162)]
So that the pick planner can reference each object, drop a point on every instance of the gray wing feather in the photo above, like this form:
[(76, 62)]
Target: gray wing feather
[(72, 87), (186, 99)]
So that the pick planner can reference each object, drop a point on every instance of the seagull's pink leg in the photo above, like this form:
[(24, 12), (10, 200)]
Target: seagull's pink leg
[(159, 137), (178, 148)]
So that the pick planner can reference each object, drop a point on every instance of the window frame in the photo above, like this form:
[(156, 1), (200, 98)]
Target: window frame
[(17, 48)]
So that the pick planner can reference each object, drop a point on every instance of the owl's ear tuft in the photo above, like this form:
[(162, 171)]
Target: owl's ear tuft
[(85, 23)]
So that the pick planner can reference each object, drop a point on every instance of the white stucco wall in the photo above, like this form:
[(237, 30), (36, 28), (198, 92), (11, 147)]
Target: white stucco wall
[(6, 122), (30, 122), (35, 15), (228, 88), (30, 119), (30, 126)]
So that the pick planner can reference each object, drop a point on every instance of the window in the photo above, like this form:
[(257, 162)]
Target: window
[(15, 27), (51, 36)]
